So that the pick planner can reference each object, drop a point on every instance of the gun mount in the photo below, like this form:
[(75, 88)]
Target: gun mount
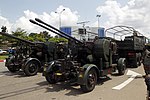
[(28, 56), (73, 43), (84, 62)]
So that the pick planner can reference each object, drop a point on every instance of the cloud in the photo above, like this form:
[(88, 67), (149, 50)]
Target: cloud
[(23, 22), (68, 18), (4, 22), (135, 13)]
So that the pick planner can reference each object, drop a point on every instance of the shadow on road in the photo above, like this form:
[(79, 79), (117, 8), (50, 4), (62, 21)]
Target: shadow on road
[(8, 73), (62, 86), (70, 90), (19, 92), (17, 74), (102, 80)]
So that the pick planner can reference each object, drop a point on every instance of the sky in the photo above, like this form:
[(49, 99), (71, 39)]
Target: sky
[(133, 13)]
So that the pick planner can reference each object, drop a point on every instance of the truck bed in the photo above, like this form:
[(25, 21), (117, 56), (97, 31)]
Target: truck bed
[(132, 43)]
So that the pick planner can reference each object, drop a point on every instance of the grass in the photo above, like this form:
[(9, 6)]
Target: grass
[(3, 57)]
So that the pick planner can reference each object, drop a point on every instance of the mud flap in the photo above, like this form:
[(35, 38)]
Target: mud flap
[(48, 68)]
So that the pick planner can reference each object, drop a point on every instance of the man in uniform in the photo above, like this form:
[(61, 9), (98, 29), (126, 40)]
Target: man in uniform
[(146, 64)]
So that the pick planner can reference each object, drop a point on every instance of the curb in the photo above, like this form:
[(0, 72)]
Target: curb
[(2, 60)]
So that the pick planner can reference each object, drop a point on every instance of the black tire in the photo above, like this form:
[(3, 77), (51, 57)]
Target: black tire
[(50, 75), (10, 64), (31, 68), (51, 78), (90, 81), (121, 66)]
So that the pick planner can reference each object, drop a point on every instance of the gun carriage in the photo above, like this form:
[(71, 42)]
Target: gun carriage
[(28, 56)]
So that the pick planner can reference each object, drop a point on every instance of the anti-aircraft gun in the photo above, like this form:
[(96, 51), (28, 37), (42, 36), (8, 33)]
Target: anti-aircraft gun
[(28, 56), (85, 62)]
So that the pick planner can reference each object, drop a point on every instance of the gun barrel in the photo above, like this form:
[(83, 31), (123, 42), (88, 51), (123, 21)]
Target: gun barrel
[(57, 31), (32, 21), (11, 36)]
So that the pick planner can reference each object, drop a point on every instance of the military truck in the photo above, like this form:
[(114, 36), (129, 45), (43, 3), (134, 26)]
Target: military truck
[(131, 46), (84, 62)]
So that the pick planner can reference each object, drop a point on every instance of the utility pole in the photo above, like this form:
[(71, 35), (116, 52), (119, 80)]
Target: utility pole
[(59, 13), (84, 29), (98, 16)]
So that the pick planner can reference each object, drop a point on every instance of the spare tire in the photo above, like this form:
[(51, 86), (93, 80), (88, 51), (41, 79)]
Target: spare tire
[(101, 49)]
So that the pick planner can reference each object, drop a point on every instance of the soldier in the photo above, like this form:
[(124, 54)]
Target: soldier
[(146, 64), (146, 61)]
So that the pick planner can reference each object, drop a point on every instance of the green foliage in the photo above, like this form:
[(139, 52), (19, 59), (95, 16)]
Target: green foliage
[(30, 39), (19, 33), (55, 39), (33, 37), (3, 57), (41, 37)]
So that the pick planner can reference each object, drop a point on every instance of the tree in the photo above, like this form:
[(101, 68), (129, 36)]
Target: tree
[(19, 33), (55, 39), (41, 37), (4, 29)]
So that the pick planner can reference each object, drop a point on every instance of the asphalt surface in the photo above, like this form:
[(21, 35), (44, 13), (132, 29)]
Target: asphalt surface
[(17, 86)]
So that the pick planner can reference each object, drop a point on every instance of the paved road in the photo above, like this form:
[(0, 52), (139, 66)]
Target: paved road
[(19, 87)]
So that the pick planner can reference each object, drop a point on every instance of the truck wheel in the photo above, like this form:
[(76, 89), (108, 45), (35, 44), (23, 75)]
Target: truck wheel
[(12, 69), (121, 66), (31, 68), (51, 78), (90, 81)]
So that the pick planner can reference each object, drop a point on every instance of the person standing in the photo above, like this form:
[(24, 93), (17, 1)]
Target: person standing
[(146, 61), (146, 65)]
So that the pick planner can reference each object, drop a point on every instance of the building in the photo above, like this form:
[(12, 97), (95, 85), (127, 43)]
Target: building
[(87, 33)]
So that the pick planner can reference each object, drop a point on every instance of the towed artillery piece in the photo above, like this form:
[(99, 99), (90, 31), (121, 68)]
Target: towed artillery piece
[(28, 56), (85, 61)]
